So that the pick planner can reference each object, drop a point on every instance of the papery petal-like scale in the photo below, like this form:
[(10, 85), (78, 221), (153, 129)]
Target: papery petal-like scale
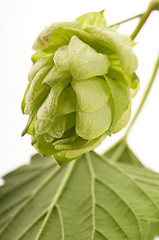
[(85, 62), (94, 124), (92, 93)]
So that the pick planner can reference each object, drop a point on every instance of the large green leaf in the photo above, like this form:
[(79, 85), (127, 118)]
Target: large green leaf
[(120, 152), (90, 198)]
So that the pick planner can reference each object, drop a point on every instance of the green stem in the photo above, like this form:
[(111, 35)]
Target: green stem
[(126, 20), (145, 95), (154, 5)]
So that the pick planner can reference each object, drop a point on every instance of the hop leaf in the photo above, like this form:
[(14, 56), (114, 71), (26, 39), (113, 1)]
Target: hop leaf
[(80, 86)]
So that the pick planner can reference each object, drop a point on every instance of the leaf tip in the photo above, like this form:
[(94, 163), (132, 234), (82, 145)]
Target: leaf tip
[(102, 11)]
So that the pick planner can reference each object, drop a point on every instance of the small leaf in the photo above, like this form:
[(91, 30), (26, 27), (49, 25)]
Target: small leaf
[(93, 18)]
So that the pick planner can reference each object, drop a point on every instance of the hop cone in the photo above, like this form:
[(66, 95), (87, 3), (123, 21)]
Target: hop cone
[(80, 86)]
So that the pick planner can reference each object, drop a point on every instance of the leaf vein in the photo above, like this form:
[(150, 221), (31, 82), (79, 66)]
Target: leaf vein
[(103, 235), (26, 181), (92, 191), (113, 218), (122, 200), (61, 220), (56, 197), (122, 171), (34, 193)]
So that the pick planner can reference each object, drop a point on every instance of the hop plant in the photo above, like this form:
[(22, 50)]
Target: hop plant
[(80, 86)]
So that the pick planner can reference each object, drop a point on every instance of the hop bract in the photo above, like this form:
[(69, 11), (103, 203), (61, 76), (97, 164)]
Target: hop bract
[(80, 86)]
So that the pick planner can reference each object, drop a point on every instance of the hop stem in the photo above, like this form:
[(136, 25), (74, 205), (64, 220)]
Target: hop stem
[(154, 5), (145, 95), (126, 20)]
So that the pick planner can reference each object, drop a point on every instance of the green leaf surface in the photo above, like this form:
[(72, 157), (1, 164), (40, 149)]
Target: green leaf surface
[(93, 18), (90, 198), (154, 231), (121, 153)]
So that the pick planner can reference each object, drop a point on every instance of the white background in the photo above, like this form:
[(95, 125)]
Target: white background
[(20, 23)]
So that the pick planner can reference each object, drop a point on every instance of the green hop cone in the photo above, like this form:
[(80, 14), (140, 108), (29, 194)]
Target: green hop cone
[(80, 86)]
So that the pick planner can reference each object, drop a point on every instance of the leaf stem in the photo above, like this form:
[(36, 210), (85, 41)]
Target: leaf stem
[(126, 20), (145, 95), (153, 5)]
